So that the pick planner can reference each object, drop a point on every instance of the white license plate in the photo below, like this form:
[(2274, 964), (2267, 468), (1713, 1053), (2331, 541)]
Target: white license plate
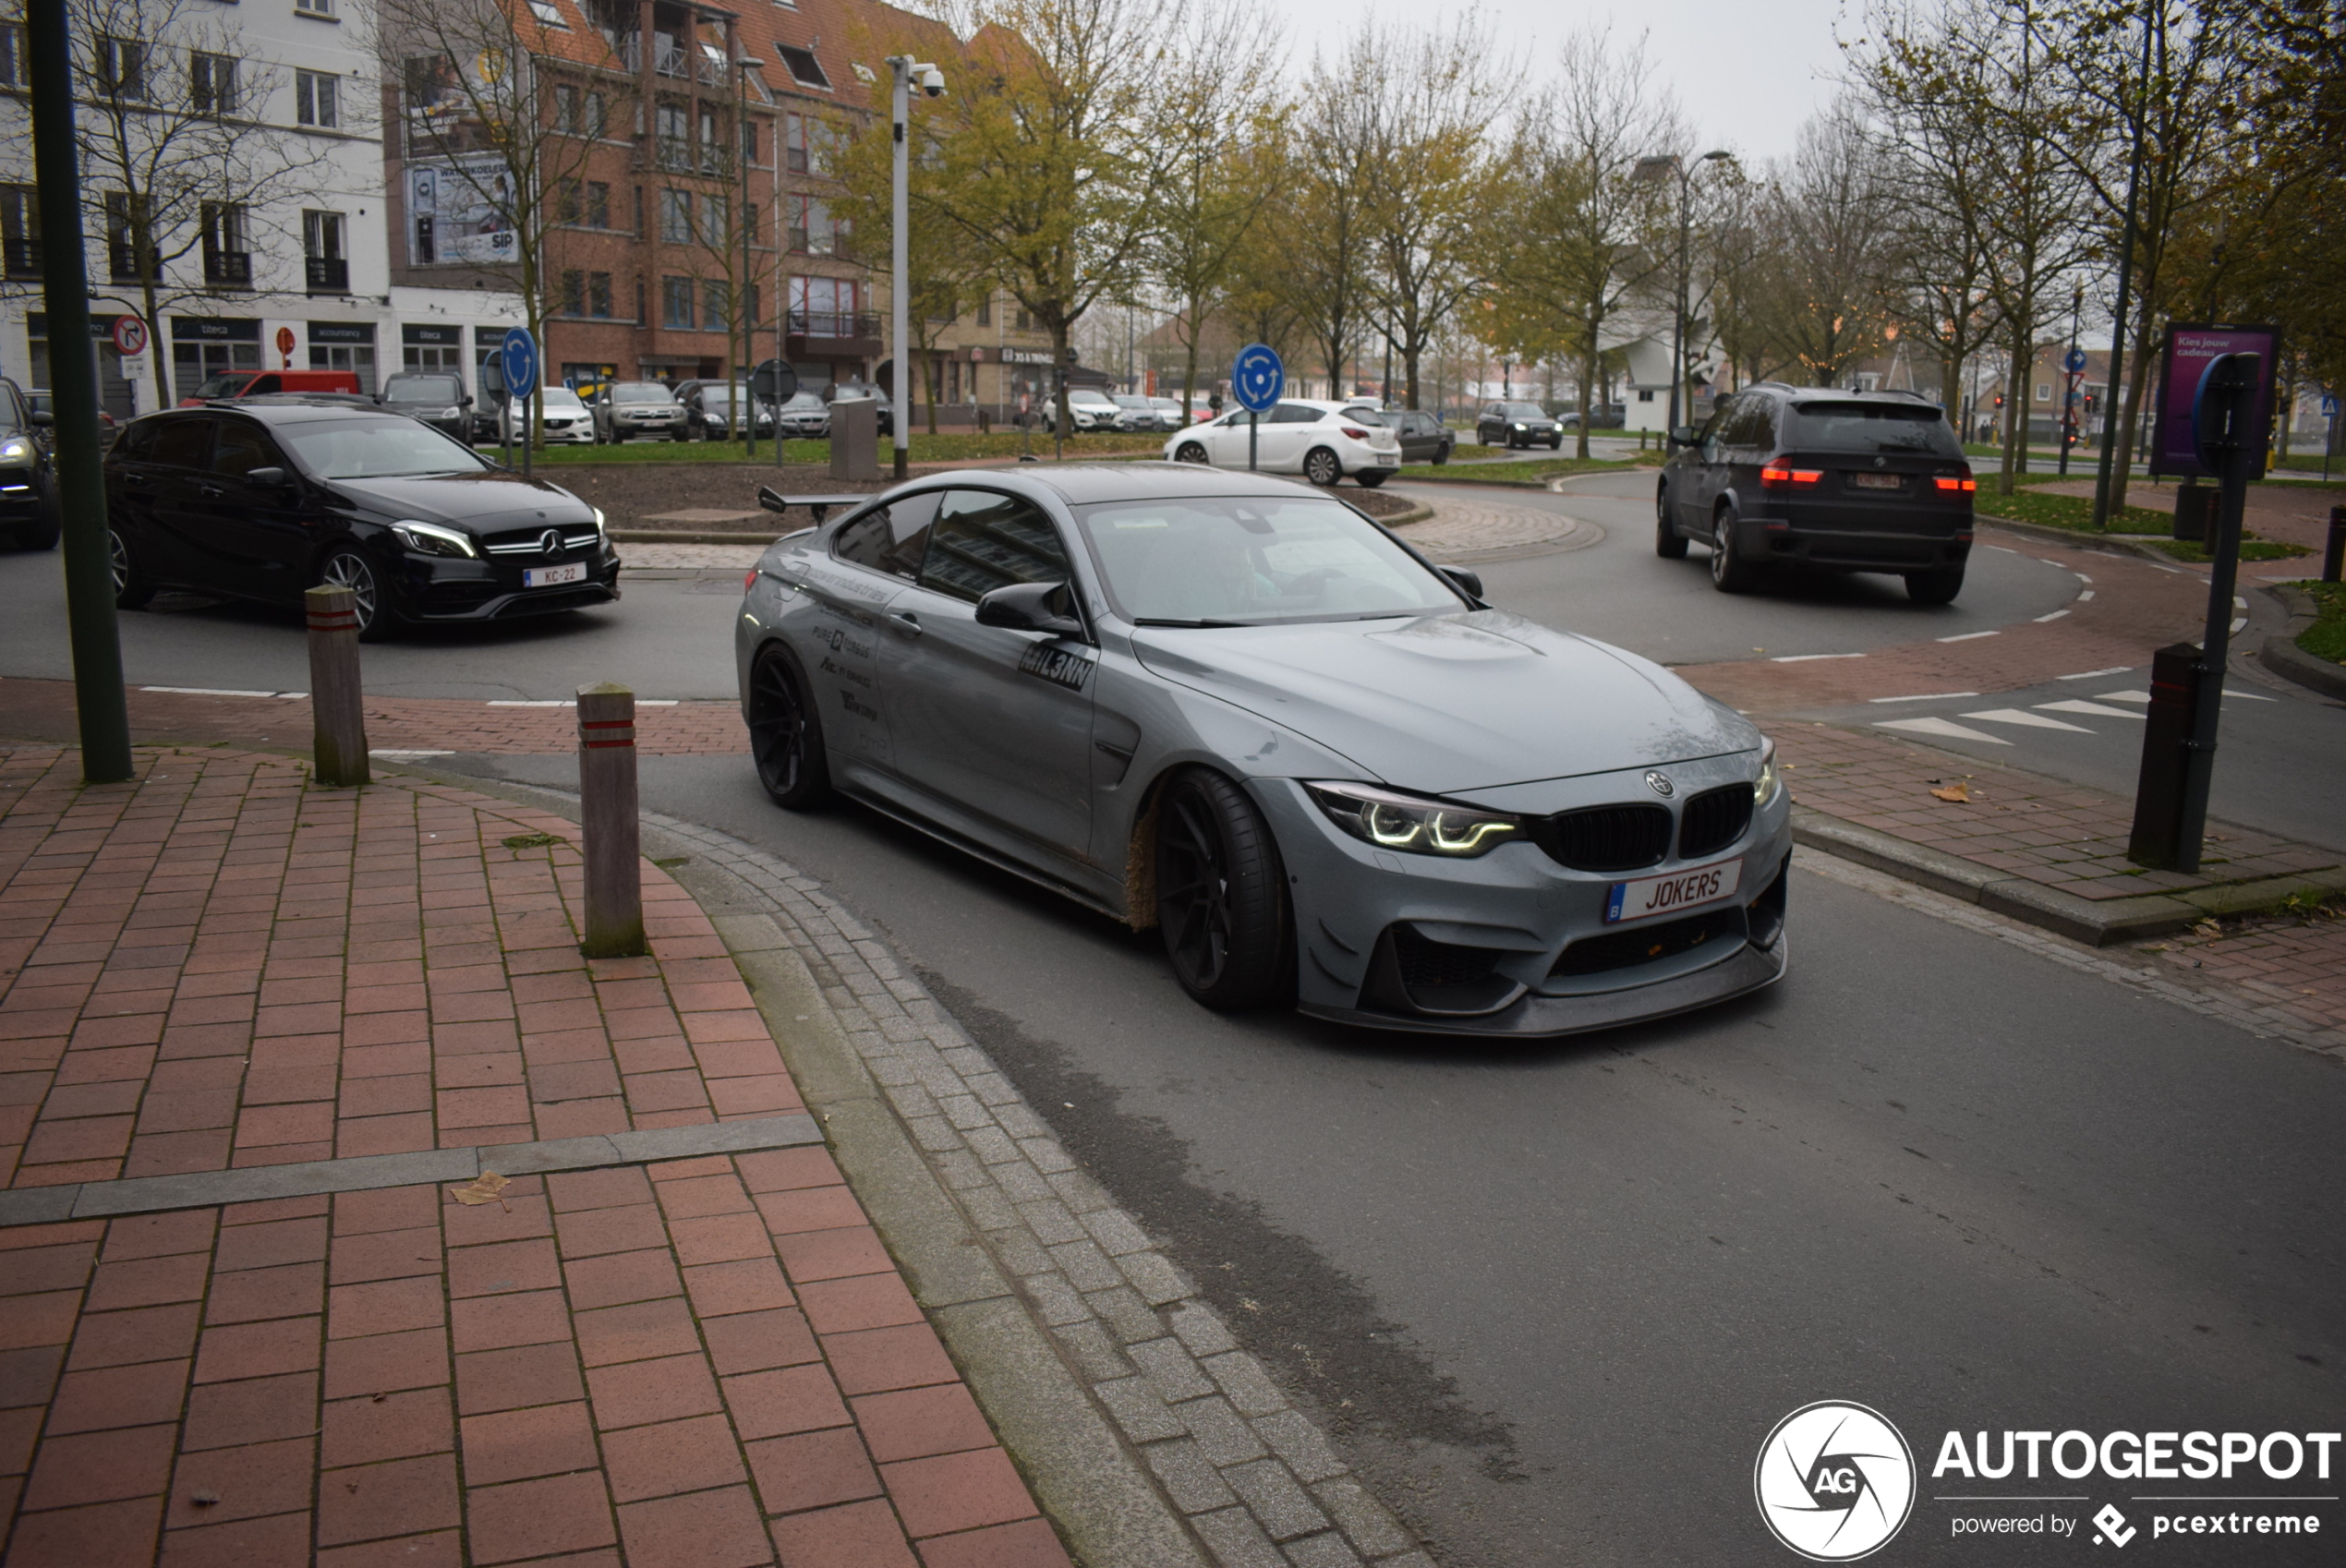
[(1679, 890), (1878, 481), (547, 576), (1388, 458)]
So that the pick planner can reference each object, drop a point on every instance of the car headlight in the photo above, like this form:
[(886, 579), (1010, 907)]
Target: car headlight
[(1520, 425), (1764, 788), (16, 449), (430, 539), (450, 412), (600, 525), (1413, 824)]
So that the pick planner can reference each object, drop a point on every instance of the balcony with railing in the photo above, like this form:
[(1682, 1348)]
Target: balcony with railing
[(23, 258), (228, 268), (327, 274), (834, 332), (122, 263)]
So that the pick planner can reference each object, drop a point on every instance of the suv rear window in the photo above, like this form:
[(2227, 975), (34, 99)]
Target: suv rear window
[(1869, 427)]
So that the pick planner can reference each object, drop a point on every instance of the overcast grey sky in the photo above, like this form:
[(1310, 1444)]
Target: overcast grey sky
[(1746, 74)]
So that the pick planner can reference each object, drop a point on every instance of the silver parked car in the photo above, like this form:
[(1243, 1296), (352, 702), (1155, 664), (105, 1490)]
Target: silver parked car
[(1233, 708), (627, 410)]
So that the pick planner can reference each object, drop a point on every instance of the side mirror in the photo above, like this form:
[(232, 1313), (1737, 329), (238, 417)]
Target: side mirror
[(270, 476), (1030, 607), (1686, 435), (42, 419), (465, 400), (1465, 582)]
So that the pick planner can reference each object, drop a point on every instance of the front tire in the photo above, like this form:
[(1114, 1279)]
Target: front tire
[(347, 569), (786, 734), (131, 590), (1188, 452), (1668, 543), (1731, 573), (1442, 454), (1221, 896), (1320, 467), (1935, 587)]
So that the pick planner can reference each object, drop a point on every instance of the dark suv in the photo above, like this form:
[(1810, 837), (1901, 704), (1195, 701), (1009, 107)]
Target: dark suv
[(1808, 476)]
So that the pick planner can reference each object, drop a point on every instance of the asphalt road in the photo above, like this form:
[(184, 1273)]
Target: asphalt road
[(1552, 1298)]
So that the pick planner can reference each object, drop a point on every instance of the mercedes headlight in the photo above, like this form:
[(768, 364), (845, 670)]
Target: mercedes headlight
[(1413, 824), (430, 539), (1764, 788), (600, 525), (16, 449)]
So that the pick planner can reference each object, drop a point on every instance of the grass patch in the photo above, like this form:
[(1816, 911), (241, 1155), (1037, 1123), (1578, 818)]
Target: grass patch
[(958, 448), (2074, 513), (2249, 549), (1531, 471), (532, 841), (2326, 638)]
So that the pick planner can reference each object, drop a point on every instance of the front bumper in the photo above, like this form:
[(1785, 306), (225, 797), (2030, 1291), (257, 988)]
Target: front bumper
[(624, 428), (1514, 943), (439, 589)]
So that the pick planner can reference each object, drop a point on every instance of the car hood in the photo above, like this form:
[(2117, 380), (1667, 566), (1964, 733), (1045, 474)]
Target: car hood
[(475, 500), (1447, 703)]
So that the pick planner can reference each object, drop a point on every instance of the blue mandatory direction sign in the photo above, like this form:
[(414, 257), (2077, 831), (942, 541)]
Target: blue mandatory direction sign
[(1256, 377), (2075, 361), (518, 357)]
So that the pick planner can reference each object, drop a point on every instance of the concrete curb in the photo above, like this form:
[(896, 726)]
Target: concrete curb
[(2097, 922), (2282, 654), (2107, 544)]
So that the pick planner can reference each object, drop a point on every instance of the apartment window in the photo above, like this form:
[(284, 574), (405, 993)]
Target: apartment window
[(2044, 392), (574, 292), (126, 238), (20, 231), (676, 302), (545, 11), (805, 69), (122, 67), (639, 299), (985, 312), (566, 109), (1025, 320), (716, 221), (317, 99), (598, 205), (674, 128), (227, 245), (813, 230), (12, 66), (749, 140), (326, 265), (823, 307), (716, 305), (315, 8), (212, 80), (599, 294), (749, 222), (676, 216)]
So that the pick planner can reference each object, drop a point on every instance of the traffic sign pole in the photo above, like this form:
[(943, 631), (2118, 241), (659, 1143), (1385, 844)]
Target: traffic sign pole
[(517, 358), (1257, 380)]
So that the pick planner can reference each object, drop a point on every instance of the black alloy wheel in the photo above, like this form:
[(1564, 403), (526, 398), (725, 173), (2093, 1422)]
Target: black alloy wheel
[(1730, 571), (1320, 467), (1668, 543), (1221, 897), (131, 590), (1935, 587), (786, 734), (1188, 452), (348, 569)]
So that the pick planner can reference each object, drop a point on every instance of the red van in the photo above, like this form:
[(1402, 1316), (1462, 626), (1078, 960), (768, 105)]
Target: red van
[(254, 384)]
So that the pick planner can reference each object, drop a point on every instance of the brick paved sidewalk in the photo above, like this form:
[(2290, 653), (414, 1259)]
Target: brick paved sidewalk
[(703, 1362)]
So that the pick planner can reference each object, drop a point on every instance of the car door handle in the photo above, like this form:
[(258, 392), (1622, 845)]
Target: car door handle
[(210, 492), (906, 622)]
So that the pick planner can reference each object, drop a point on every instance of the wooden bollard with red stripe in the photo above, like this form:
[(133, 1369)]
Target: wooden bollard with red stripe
[(338, 741), (611, 837)]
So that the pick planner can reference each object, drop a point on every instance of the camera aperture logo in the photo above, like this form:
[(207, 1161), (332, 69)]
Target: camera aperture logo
[(1835, 1482)]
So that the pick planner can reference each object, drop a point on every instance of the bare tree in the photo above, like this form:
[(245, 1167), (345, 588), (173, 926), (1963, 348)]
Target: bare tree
[(1825, 222), (1320, 250), (183, 151)]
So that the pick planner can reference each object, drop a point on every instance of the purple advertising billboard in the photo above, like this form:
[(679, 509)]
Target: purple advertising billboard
[(2181, 362)]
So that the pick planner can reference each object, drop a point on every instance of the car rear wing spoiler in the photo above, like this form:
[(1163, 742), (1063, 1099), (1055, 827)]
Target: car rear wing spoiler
[(773, 499)]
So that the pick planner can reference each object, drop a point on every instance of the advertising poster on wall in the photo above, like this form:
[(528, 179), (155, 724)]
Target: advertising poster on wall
[(460, 211)]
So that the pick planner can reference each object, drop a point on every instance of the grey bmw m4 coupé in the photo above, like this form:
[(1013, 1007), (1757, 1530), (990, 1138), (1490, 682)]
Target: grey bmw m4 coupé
[(1234, 709)]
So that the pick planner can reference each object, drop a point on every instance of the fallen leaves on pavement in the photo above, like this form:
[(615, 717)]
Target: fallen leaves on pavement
[(485, 1188)]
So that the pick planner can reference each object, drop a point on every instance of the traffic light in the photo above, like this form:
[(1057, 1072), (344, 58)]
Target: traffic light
[(1999, 399)]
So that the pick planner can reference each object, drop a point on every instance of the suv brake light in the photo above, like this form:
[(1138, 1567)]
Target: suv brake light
[(1965, 484), (1786, 478)]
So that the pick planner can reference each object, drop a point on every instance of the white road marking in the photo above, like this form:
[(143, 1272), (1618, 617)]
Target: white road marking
[(2123, 696), (387, 752), (2054, 616), (1803, 659), (210, 692), (2030, 720), (1923, 697), (1941, 727), (2239, 603), (2093, 674), (2239, 623), (2074, 705), (2087, 596), (2081, 576), (1968, 636), (2004, 550), (510, 702), (2249, 696)]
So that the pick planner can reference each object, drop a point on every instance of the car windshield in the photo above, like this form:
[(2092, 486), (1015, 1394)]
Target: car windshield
[(1126, 400), (805, 402), (1254, 561), (375, 449), (719, 397), (1871, 428), (563, 397), (1090, 398), (441, 390), (641, 391), (1523, 411)]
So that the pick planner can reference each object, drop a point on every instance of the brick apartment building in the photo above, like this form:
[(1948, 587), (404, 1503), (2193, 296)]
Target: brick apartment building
[(707, 146)]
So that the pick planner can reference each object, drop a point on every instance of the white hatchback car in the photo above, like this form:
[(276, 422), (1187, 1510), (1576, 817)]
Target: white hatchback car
[(1322, 441)]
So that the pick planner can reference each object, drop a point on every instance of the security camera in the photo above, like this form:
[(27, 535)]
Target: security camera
[(933, 82)]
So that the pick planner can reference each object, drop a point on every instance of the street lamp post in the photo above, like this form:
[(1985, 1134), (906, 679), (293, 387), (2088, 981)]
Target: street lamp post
[(1653, 168), (906, 69)]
